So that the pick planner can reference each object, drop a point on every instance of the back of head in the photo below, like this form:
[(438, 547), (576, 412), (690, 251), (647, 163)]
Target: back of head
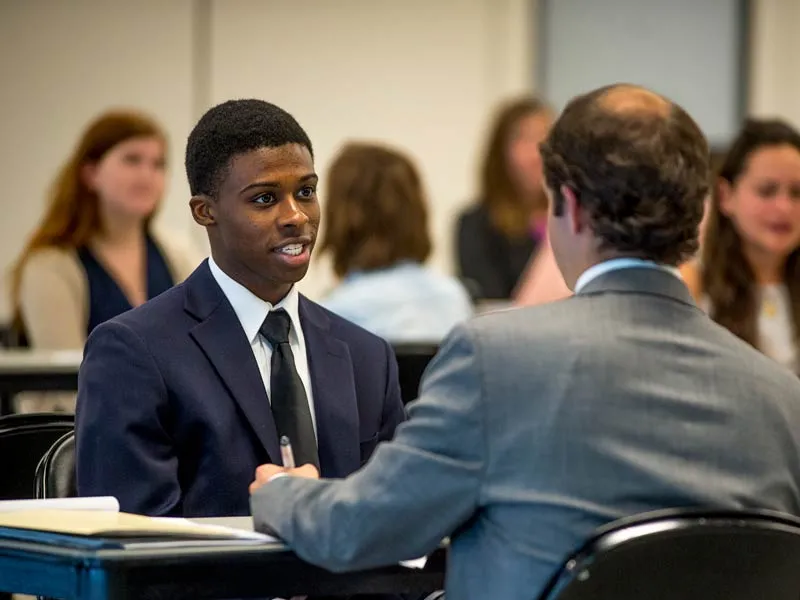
[(232, 128), (727, 278), (375, 211), (638, 165), (499, 186)]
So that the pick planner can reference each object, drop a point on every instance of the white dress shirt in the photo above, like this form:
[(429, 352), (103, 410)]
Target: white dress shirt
[(775, 330), (616, 264), (251, 311)]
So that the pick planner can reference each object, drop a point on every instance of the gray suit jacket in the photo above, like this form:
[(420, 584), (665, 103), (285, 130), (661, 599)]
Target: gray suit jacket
[(535, 426)]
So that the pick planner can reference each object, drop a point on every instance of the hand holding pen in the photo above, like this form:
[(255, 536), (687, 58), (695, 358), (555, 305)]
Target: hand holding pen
[(266, 473), (287, 456)]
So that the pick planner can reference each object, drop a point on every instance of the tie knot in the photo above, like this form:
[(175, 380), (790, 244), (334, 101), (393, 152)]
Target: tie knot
[(276, 327)]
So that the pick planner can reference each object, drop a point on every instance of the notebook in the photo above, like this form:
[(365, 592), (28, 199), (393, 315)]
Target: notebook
[(107, 528)]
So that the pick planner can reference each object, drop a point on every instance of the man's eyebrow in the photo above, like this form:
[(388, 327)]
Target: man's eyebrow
[(275, 184)]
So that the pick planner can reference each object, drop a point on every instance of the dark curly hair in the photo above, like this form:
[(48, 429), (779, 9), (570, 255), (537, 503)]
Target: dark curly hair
[(725, 274), (640, 170), (231, 128)]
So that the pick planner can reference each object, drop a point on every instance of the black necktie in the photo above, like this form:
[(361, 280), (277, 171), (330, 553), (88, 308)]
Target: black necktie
[(289, 402)]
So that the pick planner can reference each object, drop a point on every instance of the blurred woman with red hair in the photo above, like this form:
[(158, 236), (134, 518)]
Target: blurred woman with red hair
[(94, 254)]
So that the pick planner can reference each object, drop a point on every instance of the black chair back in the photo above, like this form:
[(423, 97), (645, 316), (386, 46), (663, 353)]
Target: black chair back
[(12, 336), (6, 336), (24, 440), (55, 475), (8, 339), (686, 555), (412, 360)]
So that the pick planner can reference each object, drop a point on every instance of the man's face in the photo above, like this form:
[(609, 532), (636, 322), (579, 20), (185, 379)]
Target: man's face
[(264, 220)]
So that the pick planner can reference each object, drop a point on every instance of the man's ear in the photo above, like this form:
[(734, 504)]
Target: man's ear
[(203, 210), (573, 211)]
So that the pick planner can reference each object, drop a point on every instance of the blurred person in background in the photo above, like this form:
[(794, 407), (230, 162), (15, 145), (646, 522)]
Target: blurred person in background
[(94, 254), (748, 275), (377, 235), (498, 236), (542, 281)]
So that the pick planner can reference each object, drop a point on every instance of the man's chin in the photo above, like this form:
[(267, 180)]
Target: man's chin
[(293, 275)]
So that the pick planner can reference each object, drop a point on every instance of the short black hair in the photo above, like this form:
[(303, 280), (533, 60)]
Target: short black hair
[(231, 128), (642, 175)]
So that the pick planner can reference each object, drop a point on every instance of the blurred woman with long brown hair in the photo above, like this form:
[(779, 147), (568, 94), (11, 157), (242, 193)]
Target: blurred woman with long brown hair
[(377, 234), (498, 236), (748, 277), (94, 253)]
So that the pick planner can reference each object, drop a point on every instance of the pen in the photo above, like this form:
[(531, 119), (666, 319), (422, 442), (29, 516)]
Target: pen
[(287, 456)]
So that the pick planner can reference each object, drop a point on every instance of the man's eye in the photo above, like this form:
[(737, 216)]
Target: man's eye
[(307, 192), (267, 198)]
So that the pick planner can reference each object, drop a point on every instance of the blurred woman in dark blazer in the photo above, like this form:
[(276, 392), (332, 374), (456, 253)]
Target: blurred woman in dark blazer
[(497, 237)]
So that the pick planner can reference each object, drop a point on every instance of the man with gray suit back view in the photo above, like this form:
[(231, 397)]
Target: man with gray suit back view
[(535, 426)]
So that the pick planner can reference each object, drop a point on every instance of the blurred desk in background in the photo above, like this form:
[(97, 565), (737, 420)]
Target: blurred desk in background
[(36, 370)]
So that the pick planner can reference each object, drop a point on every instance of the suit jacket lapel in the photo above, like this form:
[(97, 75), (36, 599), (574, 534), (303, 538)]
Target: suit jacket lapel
[(223, 341), (333, 385)]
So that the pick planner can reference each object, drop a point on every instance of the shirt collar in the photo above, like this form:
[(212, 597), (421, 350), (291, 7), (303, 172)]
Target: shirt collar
[(616, 264), (252, 310)]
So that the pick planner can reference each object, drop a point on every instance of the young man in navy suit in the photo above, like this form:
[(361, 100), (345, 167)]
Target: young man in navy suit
[(182, 398)]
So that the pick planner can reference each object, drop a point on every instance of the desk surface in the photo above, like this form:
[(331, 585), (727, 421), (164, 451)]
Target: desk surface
[(234, 571)]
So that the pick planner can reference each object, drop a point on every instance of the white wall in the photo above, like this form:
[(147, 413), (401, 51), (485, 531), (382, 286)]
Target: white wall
[(775, 60), (694, 61), (423, 74)]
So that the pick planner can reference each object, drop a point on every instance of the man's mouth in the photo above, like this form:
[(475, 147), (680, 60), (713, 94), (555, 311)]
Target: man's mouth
[(296, 252), (291, 249)]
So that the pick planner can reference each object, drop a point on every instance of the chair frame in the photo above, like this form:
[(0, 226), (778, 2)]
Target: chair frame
[(40, 478), (638, 527)]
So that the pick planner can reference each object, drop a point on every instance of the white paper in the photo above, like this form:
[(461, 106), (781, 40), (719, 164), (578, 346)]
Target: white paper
[(234, 533), (416, 563), (243, 523), (167, 544), (108, 503)]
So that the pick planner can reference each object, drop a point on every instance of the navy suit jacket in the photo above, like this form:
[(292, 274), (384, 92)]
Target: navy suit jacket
[(173, 418)]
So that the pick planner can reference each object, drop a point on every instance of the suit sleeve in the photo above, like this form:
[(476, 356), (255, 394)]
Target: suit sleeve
[(415, 490), (124, 448)]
